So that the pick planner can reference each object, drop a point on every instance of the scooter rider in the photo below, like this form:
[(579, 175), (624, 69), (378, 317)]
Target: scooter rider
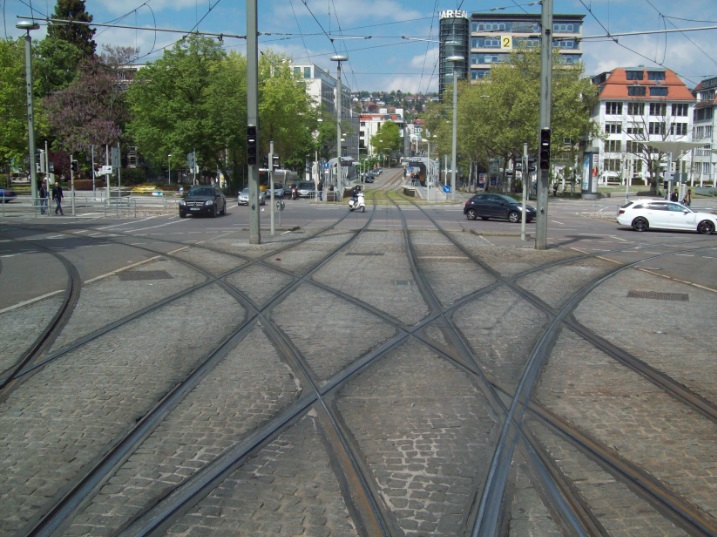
[(355, 193)]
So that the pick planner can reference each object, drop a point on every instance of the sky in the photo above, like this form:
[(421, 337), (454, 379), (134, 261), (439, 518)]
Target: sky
[(371, 32)]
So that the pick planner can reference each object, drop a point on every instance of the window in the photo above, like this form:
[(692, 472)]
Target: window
[(486, 42), (613, 146), (679, 109), (636, 91), (636, 131), (635, 75), (702, 114), (658, 91), (613, 108), (612, 164), (678, 129), (633, 147), (613, 128), (636, 109), (565, 27), (706, 168), (657, 127), (655, 75), (658, 109)]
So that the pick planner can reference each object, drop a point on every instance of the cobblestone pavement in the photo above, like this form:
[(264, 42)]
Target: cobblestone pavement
[(421, 416)]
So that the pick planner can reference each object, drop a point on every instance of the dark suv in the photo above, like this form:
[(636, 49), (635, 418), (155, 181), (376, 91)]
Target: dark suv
[(203, 199)]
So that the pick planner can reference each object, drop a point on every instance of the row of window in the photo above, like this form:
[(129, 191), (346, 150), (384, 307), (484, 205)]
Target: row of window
[(640, 75), (614, 108), (702, 132), (527, 42), (500, 57), (703, 168), (654, 127), (703, 114), (641, 91), (524, 27)]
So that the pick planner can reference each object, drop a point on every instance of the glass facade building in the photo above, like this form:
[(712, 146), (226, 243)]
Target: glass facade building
[(454, 38)]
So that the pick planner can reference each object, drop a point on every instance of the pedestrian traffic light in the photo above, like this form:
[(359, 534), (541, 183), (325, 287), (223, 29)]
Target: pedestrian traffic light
[(251, 145), (275, 164), (544, 149), (74, 166)]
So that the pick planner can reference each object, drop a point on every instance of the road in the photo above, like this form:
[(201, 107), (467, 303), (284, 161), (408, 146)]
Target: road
[(402, 371)]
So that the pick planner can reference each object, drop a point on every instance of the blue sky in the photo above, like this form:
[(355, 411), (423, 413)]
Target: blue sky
[(369, 32)]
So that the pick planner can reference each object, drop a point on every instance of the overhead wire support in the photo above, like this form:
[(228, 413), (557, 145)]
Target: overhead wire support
[(130, 27)]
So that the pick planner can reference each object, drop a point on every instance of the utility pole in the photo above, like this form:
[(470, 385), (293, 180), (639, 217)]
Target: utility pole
[(546, 79), (252, 109)]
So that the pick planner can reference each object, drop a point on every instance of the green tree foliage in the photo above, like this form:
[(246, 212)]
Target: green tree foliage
[(189, 100), (286, 113), (13, 127), (79, 35), (387, 139), (55, 64)]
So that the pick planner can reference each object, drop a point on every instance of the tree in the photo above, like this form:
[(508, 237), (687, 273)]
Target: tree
[(55, 64), (286, 112), (79, 35), (497, 116), (91, 110), (387, 139), (13, 127)]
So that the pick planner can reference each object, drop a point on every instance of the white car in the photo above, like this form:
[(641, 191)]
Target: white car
[(243, 198), (642, 215)]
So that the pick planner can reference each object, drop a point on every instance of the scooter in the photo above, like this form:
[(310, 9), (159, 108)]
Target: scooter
[(357, 203)]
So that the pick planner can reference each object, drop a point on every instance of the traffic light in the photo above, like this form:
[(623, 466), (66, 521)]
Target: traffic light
[(74, 166), (275, 164), (251, 145), (544, 149)]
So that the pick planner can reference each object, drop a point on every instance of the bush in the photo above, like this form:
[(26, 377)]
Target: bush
[(86, 184)]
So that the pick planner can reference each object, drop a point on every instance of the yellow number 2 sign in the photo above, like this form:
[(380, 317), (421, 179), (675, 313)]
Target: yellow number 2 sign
[(506, 42)]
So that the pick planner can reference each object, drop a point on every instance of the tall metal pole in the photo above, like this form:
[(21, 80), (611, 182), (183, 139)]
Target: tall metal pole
[(454, 60), (525, 177), (252, 108), (338, 58), (546, 79), (29, 25)]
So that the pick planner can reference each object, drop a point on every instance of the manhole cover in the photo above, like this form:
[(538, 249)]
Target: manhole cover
[(402, 282), (655, 295), (138, 275)]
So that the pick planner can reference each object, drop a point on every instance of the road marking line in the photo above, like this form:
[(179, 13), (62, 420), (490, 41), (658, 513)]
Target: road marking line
[(555, 221)]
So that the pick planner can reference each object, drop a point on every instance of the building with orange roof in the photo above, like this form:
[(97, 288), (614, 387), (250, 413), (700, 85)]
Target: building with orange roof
[(637, 105), (704, 169)]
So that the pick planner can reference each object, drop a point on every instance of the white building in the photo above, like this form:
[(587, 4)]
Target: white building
[(704, 170), (637, 105), (370, 123)]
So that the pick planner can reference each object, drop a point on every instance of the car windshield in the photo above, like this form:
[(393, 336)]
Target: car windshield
[(201, 192), (306, 185), (245, 191)]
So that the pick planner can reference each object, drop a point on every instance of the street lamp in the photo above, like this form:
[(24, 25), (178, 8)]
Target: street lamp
[(169, 173), (27, 26), (338, 58), (454, 60)]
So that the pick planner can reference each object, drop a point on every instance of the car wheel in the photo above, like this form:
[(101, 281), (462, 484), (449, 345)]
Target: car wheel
[(514, 217), (213, 214), (484, 218), (471, 214), (706, 227), (640, 224), (182, 214), (224, 209)]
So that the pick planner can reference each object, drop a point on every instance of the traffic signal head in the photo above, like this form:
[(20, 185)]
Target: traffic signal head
[(74, 166), (275, 164), (251, 145), (544, 149)]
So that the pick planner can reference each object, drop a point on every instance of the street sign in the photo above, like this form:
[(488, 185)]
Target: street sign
[(106, 170), (115, 157), (446, 188)]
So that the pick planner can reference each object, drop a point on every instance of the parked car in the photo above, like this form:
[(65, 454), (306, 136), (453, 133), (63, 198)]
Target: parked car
[(203, 199), (368, 178), (243, 198), (306, 189), (7, 195), (489, 205), (642, 215)]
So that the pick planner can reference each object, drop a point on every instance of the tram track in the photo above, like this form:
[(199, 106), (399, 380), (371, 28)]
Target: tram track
[(363, 493)]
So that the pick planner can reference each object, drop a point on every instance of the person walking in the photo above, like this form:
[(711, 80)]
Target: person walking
[(687, 200), (57, 198), (42, 193), (320, 190), (673, 196)]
